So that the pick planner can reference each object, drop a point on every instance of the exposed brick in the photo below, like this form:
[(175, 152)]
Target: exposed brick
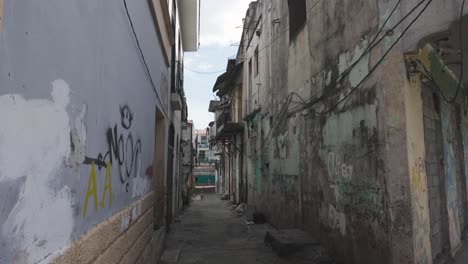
[(117, 250), (137, 249), (99, 238)]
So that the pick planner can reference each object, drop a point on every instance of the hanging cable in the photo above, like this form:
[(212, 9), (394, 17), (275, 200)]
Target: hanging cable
[(378, 63), (312, 101), (280, 35), (460, 32), (201, 72), (148, 72)]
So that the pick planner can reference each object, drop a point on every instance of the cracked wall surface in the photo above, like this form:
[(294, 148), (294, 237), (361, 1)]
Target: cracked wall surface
[(355, 176)]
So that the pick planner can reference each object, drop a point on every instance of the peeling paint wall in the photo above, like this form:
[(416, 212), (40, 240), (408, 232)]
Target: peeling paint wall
[(77, 111), (453, 148), (416, 167), (356, 176)]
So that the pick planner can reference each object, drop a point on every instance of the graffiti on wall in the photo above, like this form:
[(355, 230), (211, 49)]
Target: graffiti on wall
[(450, 163), (337, 168), (123, 152), (418, 180), (364, 200), (130, 216), (416, 175), (91, 191)]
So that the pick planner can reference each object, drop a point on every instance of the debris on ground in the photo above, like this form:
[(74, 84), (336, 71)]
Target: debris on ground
[(198, 197), (287, 242), (259, 218), (240, 209), (211, 233)]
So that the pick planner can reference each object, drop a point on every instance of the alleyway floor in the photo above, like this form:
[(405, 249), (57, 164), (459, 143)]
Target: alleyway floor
[(211, 233)]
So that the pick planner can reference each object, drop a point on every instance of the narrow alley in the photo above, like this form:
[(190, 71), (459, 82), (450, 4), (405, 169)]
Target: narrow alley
[(211, 232), (234, 131)]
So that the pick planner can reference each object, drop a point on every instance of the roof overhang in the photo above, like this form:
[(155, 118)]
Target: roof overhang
[(228, 80), (190, 23)]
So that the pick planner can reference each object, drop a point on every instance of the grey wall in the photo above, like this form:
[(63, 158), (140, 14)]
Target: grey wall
[(89, 47), (343, 176)]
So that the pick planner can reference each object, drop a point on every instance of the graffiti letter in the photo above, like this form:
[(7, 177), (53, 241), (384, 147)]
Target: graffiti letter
[(92, 190), (107, 187)]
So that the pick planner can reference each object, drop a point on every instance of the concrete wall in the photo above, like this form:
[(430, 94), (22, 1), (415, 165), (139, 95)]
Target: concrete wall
[(77, 135), (354, 176), (187, 160)]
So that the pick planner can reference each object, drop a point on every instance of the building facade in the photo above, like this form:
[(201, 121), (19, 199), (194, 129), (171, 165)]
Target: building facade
[(91, 105), (188, 162), (352, 124)]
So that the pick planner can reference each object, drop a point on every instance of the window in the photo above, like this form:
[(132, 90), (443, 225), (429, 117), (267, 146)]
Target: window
[(297, 17), (256, 65)]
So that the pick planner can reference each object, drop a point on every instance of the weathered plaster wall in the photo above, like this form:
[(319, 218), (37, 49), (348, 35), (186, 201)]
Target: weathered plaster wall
[(417, 169), (453, 148), (434, 170), (354, 177), (78, 114)]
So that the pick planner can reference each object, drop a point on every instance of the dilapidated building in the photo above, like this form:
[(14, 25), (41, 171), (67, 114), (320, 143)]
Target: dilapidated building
[(353, 124), (229, 131)]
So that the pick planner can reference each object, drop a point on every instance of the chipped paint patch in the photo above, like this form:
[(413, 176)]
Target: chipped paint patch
[(334, 219), (338, 129), (35, 140), (348, 58), (416, 172), (141, 184), (78, 140), (130, 216)]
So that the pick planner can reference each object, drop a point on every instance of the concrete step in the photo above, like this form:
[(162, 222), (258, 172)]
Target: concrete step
[(170, 256), (287, 242)]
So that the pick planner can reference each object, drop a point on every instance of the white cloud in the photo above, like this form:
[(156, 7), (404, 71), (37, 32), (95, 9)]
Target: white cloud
[(221, 21)]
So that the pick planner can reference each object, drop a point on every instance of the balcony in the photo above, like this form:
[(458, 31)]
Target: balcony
[(176, 102), (227, 127)]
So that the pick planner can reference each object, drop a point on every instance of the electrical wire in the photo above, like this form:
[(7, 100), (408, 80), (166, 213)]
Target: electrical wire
[(139, 49), (378, 63), (372, 43), (428, 75), (370, 47), (201, 72), (460, 81), (280, 35), (283, 110), (312, 101)]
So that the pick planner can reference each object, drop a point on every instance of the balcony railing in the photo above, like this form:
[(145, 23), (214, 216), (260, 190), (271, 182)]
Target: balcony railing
[(223, 119), (226, 127)]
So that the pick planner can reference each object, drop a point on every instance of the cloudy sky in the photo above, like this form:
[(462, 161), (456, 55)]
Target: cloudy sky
[(221, 27)]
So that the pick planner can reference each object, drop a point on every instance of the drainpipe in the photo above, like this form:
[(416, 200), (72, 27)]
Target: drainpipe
[(241, 171), (229, 172)]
